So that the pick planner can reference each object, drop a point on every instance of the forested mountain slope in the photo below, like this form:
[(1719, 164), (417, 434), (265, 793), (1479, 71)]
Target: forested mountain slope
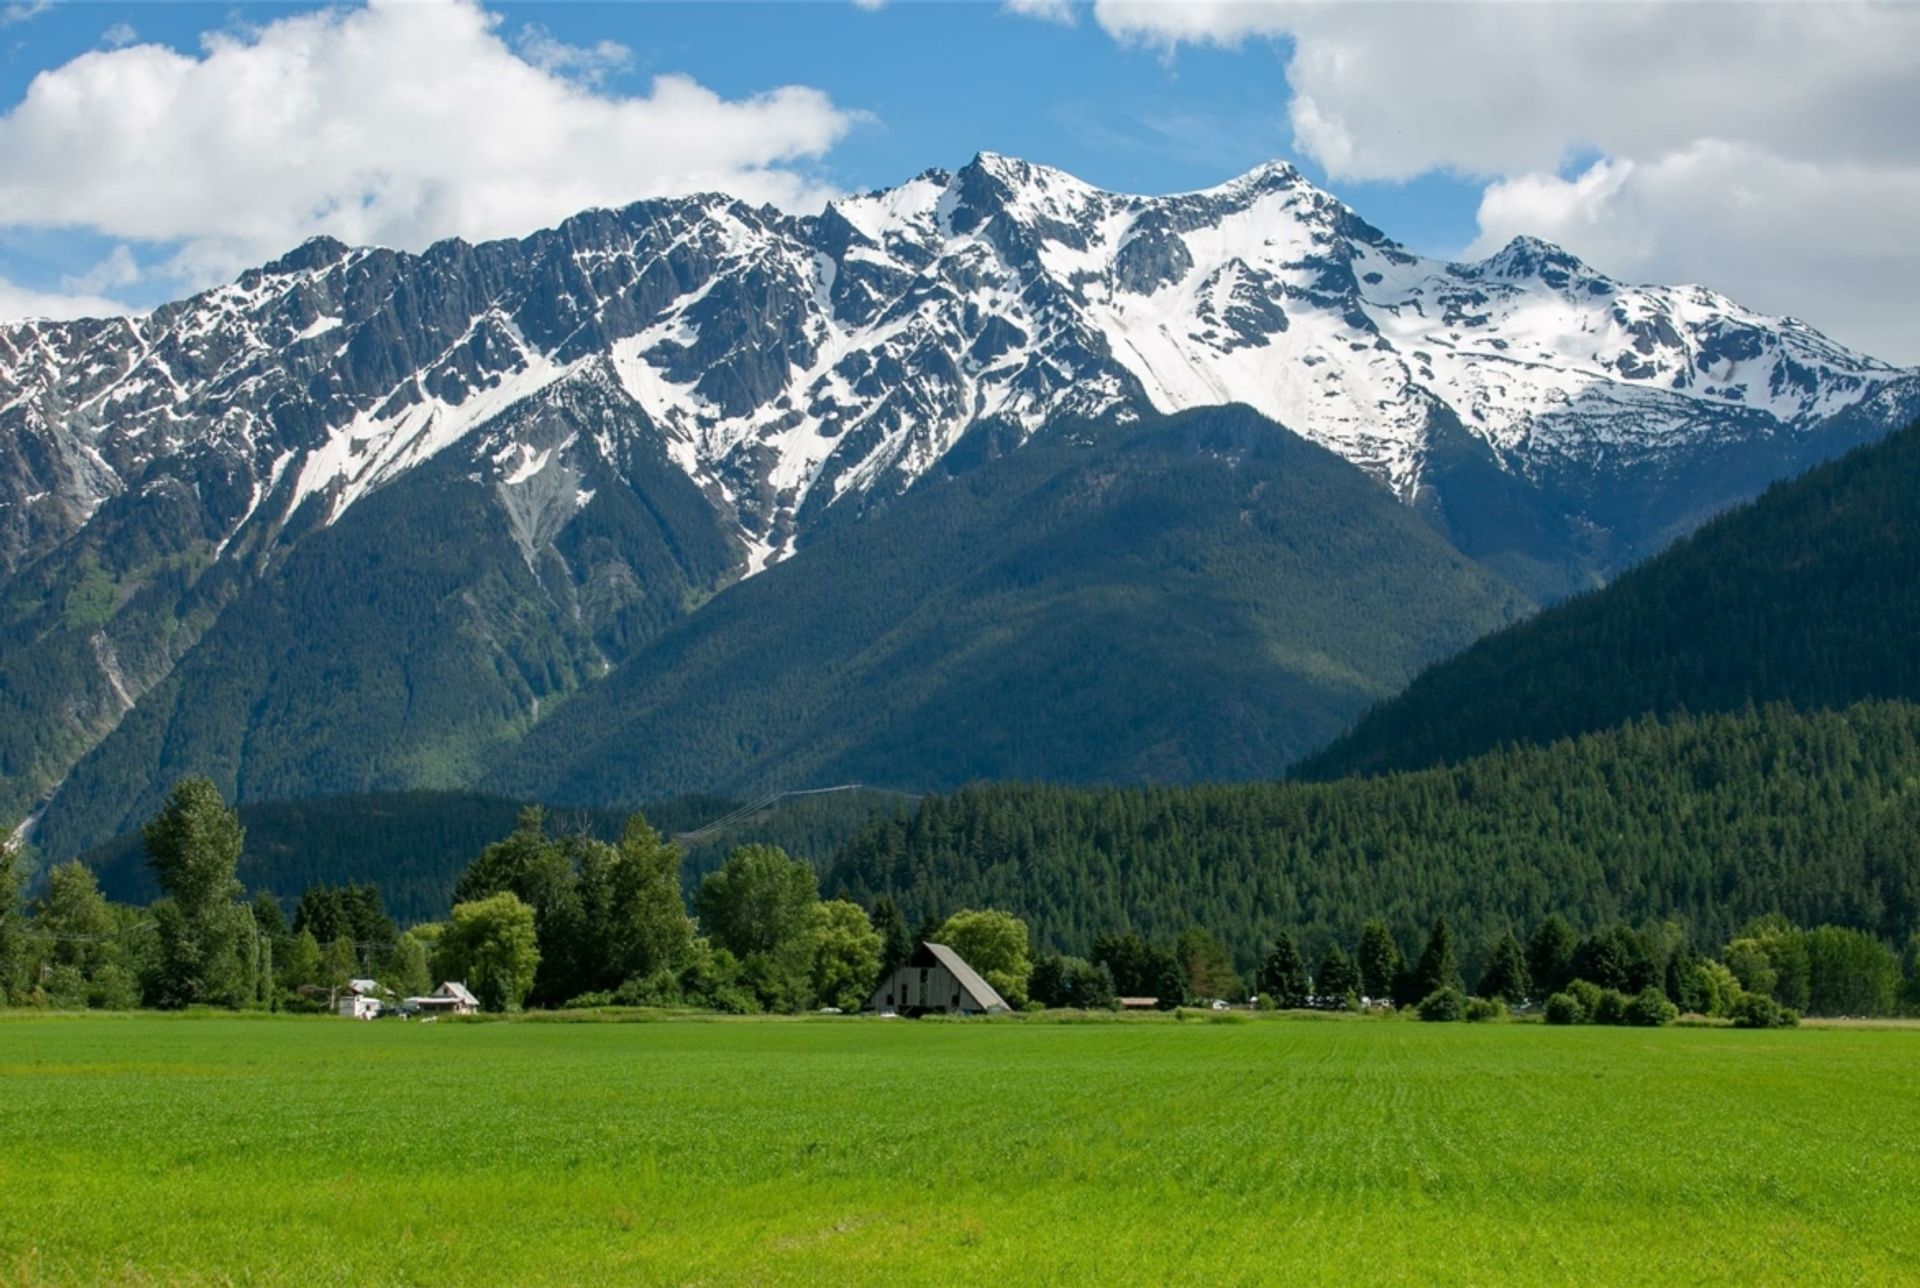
[(504, 467), (1206, 596), (1707, 820), (395, 648), (1809, 595), (360, 518)]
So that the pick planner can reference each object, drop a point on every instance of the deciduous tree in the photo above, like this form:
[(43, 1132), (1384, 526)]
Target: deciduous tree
[(759, 907), (846, 955), (996, 944), (492, 946)]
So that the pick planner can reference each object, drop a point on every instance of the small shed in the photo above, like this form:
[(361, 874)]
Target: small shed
[(361, 1000), (449, 999), (936, 980), (359, 1006)]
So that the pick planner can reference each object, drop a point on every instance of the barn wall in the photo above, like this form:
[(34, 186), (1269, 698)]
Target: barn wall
[(931, 988)]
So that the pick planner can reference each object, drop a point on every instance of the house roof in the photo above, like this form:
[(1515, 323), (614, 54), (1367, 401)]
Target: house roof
[(458, 992), (983, 993)]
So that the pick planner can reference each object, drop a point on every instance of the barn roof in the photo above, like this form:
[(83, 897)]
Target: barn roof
[(983, 993)]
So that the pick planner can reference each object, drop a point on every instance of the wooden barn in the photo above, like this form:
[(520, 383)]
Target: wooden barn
[(936, 980)]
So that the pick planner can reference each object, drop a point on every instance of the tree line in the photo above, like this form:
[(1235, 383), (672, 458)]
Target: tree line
[(1708, 822), (572, 920)]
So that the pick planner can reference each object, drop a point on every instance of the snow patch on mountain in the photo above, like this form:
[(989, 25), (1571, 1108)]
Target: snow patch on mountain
[(787, 364)]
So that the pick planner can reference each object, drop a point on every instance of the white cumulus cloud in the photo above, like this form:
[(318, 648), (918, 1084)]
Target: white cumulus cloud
[(396, 123), (1765, 149), (1060, 11), (24, 302)]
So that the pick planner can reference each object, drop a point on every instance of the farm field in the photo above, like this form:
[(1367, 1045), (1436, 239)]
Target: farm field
[(278, 1150)]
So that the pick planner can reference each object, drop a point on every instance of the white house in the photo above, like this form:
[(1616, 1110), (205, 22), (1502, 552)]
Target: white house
[(449, 999), (936, 979)]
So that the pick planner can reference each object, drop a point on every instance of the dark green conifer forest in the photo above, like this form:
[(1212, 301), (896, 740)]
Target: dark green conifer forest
[(1809, 595), (1705, 821)]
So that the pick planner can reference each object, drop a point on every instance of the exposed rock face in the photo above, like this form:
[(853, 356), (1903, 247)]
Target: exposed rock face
[(797, 371)]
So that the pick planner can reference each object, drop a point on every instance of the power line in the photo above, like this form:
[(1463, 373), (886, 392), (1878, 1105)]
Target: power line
[(774, 798), (37, 933)]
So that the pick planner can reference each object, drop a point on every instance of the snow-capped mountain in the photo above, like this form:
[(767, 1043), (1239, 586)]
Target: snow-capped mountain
[(786, 362), (643, 405)]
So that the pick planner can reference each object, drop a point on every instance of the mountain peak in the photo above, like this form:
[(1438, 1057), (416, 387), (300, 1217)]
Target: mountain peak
[(1526, 256), (1267, 175), (314, 252), (1018, 175)]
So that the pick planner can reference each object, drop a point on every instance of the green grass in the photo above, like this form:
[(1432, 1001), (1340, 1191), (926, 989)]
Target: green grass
[(1368, 1152)]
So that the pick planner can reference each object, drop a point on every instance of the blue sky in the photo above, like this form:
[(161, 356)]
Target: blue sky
[(1451, 129), (935, 82)]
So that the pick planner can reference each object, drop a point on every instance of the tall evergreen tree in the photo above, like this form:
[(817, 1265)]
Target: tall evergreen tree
[(1208, 964), (896, 944), (1550, 955), (1506, 977), (1141, 969), (268, 916), (209, 945), (1684, 986), (1283, 975), (1379, 960), (1438, 966), (1337, 976), (1618, 958)]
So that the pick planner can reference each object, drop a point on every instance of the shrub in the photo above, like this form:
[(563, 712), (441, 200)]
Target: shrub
[(1587, 993), (1565, 1008), (589, 1001), (1650, 1009), (66, 989), (1611, 1008), (114, 989), (1482, 1009), (1758, 1011), (1718, 988), (1444, 1006)]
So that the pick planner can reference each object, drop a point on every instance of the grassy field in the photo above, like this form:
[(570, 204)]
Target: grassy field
[(193, 1150)]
